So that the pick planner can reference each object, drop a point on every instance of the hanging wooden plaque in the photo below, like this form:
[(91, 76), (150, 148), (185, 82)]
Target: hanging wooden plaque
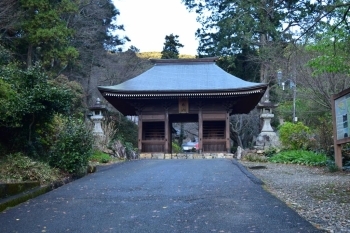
[(183, 105)]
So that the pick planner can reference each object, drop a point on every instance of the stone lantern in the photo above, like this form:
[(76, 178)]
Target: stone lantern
[(267, 137), (97, 117)]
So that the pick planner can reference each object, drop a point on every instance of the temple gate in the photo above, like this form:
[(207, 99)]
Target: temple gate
[(184, 90)]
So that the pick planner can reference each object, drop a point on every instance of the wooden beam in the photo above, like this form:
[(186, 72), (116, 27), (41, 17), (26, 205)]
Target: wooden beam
[(214, 116), (227, 133), (214, 140), (200, 130), (337, 147), (154, 142), (166, 132), (153, 117), (140, 134), (338, 156)]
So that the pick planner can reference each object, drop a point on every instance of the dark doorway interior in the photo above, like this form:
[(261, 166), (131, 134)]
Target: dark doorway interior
[(153, 134), (214, 136)]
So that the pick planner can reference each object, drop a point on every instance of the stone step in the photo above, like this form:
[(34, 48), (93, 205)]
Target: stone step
[(186, 156)]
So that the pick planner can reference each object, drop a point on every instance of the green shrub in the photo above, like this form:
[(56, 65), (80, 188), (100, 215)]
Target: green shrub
[(130, 150), (127, 129), (294, 136), (73, 147), (100, 157), (302, 157), (176, 148), (270, 151), (17, 167), (331, 166)]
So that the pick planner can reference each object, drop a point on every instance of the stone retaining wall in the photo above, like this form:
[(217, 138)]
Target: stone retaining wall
[(186, 156)]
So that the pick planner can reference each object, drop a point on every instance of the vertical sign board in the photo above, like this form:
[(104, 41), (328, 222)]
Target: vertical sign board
[(183, 105), (341, 117)]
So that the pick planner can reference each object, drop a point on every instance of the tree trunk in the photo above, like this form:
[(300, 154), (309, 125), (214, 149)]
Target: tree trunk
[(263, 68), (30, 129), (236, 136), (29, 56)]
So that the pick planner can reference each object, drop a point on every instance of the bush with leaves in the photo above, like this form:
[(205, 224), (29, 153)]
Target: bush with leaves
[(324, 135), (294, 136), (31, 97), (127, 131), (121, 135), (332, 166), (100, 157), (271, 151), (17, 167), (302, 157), (29, 105), (130, 150), (176, 148), (73, 147)]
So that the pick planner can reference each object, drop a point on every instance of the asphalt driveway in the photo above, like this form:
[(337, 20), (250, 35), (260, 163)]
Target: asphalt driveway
[(158, 196)]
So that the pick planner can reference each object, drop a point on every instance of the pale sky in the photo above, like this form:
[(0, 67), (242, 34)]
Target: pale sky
[(147, 22)]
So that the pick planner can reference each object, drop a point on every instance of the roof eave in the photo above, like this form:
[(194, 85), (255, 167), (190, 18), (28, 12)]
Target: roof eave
[(103, 89)]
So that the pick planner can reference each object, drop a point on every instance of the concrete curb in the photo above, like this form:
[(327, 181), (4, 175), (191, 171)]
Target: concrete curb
[(19, 198), (29, 194), (22, 197), (247, 173), (11, 189)]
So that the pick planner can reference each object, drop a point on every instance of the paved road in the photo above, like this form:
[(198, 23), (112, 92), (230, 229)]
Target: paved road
[(157, 196)]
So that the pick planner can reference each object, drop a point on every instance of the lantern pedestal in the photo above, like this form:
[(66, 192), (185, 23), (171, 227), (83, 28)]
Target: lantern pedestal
[(97, 117), (267, 137)]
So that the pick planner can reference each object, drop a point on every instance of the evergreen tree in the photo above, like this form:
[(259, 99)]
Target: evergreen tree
[(44, 34), (171, 45), (264, 28)]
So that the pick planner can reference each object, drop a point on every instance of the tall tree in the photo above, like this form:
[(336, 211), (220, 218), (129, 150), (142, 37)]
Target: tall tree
[(44, 34), (230, 27), (96, 28), (320, 69), (171, 46), (235, 27)]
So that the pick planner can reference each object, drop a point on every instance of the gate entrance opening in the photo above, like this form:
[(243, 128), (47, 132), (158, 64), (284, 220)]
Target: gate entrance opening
[(184, 132)]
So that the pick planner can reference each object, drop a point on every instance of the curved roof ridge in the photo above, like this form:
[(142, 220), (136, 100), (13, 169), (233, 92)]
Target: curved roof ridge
[(184, 60), (183, 77)]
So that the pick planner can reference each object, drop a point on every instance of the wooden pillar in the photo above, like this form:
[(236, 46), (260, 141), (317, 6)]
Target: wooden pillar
[(200, 131), (337, 146), (338, 155), (166, 132), (227, 133), (140, 133)]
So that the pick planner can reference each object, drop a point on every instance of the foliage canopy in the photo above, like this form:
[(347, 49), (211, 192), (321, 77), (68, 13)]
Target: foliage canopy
[(171, 46)]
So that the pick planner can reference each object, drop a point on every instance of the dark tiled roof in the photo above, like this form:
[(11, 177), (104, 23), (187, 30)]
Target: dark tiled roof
[(184, 78), (183, 75)]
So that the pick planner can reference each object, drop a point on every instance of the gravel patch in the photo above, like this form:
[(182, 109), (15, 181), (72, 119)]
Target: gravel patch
[(319, 196)]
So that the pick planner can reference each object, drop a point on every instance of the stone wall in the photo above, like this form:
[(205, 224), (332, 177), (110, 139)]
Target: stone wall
[(186, 156)]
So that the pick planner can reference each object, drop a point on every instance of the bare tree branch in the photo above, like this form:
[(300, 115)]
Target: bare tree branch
[(9, 11)]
